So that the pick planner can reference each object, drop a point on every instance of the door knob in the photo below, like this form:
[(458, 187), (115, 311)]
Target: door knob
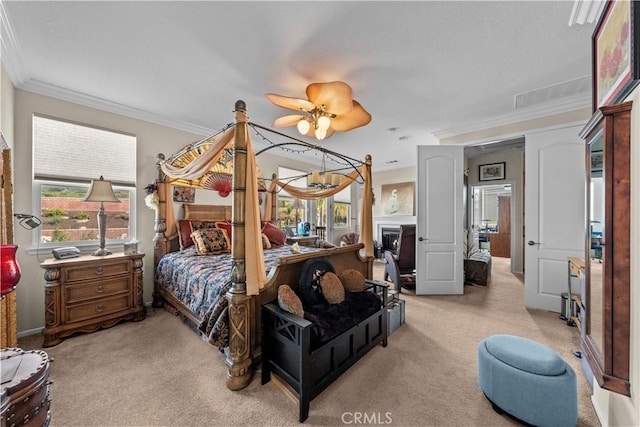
[(531, 243), (420, 239)]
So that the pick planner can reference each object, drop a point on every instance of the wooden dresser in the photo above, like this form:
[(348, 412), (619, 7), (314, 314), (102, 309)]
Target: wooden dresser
[(24, 395), (91, 292)]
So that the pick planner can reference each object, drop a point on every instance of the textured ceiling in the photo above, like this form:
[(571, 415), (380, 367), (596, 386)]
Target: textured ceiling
[(419, 67)]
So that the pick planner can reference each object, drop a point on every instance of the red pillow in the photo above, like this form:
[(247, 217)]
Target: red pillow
[(226, 226), (276, 235)]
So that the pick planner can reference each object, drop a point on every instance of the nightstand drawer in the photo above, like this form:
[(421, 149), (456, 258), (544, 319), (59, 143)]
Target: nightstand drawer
[(97, 289), (96, 271), (100, 308)]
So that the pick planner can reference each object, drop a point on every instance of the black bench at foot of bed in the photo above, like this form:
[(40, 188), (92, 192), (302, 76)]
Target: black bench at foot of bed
[(304, 355)]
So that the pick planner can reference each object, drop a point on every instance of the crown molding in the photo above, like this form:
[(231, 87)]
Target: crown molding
[(531, 113), (11, 56), (586, 11), (62, 94)]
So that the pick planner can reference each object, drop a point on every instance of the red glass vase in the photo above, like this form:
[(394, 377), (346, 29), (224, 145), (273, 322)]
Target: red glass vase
[(9, 269)]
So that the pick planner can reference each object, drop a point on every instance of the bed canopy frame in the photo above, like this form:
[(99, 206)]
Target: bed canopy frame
[(232, 148)]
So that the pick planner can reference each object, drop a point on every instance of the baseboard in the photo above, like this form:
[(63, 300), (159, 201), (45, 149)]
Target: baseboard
[(597, 410), (30, 332)]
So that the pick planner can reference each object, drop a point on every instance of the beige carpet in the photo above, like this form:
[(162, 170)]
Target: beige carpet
[(158, 372)]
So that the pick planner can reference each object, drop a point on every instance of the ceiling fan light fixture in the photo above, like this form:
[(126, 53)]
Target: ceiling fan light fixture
[(320, 133), (330, 108), (303, 126), (324, 122)]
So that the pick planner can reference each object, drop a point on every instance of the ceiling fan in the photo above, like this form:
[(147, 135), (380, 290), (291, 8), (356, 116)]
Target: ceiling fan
[(329, 108)]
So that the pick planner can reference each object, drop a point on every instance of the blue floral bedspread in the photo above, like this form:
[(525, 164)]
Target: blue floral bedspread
[(200, 282)]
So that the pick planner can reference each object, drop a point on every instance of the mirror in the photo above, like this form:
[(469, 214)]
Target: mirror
[(596, 240)]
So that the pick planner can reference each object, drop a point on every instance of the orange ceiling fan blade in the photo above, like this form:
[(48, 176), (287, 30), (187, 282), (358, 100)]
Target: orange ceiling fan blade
[(290, 120), (355, 118), (335, 96), (290, 103)]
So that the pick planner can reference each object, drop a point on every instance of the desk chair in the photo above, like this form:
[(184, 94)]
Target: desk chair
[(401, 267)]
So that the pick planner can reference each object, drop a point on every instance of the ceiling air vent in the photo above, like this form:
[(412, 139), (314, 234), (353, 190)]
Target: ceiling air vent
[(554, 92)]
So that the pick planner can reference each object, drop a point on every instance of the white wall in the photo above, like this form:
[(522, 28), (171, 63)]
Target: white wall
[(389, 177)]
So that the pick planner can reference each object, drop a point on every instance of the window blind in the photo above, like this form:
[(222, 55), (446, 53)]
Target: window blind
[(72, 152)]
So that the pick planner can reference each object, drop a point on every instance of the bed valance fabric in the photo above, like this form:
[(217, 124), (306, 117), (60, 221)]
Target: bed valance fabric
[(192, 167)]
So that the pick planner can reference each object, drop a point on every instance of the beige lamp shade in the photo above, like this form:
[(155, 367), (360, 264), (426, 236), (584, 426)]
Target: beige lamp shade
[(101, 191)]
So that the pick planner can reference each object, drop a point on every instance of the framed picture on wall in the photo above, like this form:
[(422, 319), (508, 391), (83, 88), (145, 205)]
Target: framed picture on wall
[(398, 199), (184, 194), (492, 171), (616, 52)]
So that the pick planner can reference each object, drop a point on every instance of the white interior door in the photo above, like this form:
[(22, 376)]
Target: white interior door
[(555, 213), (439, 229)]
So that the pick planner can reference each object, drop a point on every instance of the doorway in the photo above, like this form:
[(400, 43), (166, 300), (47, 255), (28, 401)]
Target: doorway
[(491, 218)]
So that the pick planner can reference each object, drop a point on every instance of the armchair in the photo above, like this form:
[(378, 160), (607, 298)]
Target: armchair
[(349, 239), (400, 268)]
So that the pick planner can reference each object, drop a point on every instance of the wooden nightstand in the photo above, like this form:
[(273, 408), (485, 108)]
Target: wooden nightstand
[(91, 292)]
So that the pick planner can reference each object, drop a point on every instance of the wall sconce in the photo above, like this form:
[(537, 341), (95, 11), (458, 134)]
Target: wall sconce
[(28, 221), (101, 191)]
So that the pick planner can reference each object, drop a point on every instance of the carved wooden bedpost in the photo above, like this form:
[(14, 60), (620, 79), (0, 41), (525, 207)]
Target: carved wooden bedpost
[(238, 352), (274, 200), (160, 241)]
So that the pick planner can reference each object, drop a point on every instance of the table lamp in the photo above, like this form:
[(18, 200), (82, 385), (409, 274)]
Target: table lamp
[(101, 191)]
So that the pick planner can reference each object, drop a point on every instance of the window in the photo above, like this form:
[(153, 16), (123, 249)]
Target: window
[(291, 210), (66, 157), (342, 209)]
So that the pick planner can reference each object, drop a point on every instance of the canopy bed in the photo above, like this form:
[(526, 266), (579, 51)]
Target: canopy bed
[(249, 274)]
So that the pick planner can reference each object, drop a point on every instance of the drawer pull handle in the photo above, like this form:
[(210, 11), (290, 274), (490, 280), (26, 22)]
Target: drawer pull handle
[(100, 289), (100, 271), (100, 308)]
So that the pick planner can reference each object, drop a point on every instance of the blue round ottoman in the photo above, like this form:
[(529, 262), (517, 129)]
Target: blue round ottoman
[(528, 381)]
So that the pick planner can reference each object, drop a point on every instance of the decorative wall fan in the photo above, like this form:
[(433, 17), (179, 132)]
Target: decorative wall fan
[(329, 108)]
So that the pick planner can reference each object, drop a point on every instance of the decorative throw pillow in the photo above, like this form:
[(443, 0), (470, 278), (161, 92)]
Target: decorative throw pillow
[(211, 241), (226, 226), (332, 288), (352, 280), (187, 226), (309, 286), (277, 236), (184, 233), (266, 244), (289, 301)]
